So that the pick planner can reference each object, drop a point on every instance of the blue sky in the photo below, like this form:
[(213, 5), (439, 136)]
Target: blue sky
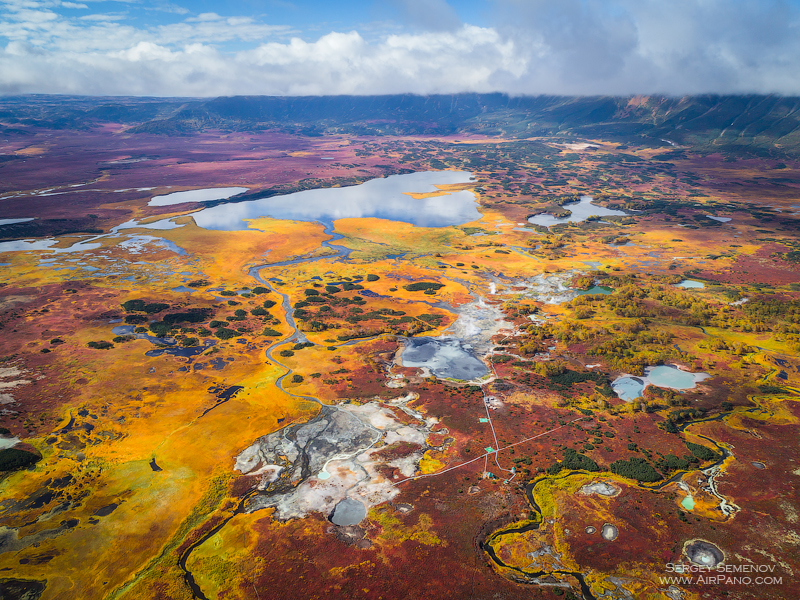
[(284, 47)]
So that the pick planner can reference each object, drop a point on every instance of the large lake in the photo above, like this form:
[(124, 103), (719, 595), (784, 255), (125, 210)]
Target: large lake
[(384, 198)]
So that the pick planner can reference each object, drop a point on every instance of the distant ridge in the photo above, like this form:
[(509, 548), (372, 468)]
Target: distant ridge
[(739, 125)]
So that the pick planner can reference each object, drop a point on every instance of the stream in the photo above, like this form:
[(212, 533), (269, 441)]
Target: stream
[(712, 471)]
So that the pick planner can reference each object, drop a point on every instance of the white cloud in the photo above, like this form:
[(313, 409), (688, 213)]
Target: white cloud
[(535, 46), (73, 5), (104, 17)]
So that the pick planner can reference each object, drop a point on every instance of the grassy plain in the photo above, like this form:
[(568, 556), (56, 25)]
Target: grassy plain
[(135, 493)]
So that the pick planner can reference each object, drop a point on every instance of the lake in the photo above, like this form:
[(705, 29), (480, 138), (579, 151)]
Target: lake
[(204, 195), (383, 198), (581, 211)]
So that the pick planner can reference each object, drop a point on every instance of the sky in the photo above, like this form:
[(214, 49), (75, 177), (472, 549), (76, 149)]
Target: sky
[(316, 47)]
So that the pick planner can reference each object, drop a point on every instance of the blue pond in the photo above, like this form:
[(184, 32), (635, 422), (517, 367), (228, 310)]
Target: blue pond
[(665, 376), (690, 284), (598, 289)]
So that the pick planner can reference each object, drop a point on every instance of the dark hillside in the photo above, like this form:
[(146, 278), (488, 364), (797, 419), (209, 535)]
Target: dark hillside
[(736, 125)]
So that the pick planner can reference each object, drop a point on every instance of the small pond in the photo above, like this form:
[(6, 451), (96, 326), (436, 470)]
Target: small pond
[(581, 211), (444, 357), (383, 198), (598, 289), (665, 376), (690, 284)]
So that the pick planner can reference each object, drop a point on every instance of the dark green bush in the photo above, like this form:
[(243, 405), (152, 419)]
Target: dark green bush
[(135, 319), (635, 468), (155, 307), (101, 345), (224, 333), (423, 285), (702, 452), (12, 458)]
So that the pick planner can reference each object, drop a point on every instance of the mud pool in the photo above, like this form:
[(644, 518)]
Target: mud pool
[(704, 553), (348, 512), (331, 463), (383, 198), (445, 357), (552, 288)]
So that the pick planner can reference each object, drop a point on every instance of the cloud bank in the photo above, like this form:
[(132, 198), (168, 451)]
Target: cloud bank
[(615, 47)]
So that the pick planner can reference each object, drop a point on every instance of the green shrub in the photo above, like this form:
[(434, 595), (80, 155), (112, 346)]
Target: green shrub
[(13, 458), (159, 328), (269, 332), (701, 452), (133, 305), (297, 379), (269, 303), (259, 312), (635, 468), (573, 461), (224, 333), (135, 319), (155, 307), (371, 277), (286, 353), (193, 315), (227, 293), (101, 345), (423, 285)]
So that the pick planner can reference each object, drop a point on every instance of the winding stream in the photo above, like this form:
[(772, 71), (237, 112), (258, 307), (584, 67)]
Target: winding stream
[(712, 471)]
